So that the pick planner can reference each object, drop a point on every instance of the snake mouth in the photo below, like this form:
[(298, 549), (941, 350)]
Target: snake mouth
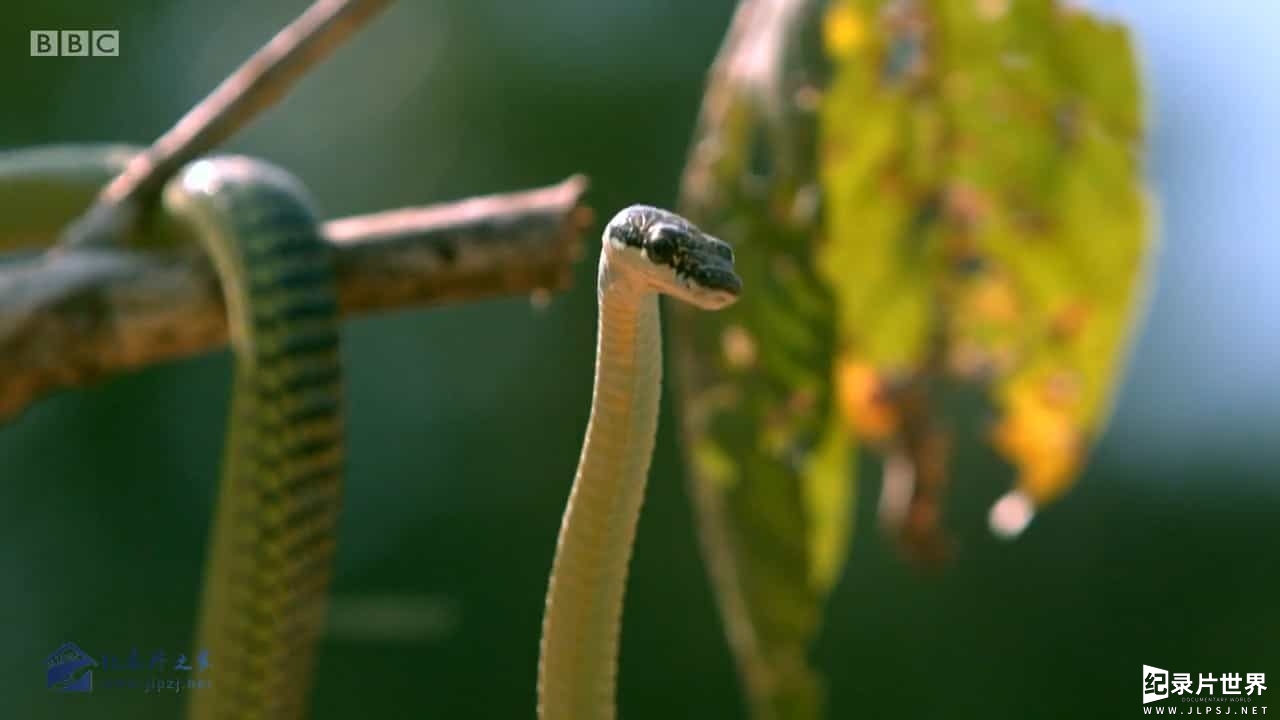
[(701, 262), (717, 278), (709, 262), (709, 282)]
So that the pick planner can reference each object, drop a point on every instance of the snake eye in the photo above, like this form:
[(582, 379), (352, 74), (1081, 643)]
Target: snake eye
[(662, 245)]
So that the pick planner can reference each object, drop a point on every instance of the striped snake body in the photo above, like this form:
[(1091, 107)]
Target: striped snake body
[(271, 548)]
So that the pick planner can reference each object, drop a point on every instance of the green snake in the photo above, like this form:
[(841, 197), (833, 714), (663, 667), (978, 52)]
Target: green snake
[(646, 252), (272, 544)]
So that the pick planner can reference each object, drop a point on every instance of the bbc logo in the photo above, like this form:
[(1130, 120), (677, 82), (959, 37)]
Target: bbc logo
[(75, 43)]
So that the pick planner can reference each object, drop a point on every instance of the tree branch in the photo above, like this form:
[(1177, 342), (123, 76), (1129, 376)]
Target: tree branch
[(70, 317), (255, 86)]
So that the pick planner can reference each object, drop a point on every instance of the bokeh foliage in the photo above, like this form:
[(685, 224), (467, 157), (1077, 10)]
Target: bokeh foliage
[(985, 215), (928, 199)]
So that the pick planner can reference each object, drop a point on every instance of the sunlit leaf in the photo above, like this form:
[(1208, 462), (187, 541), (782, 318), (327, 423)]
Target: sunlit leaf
[(986, 221), (770, 457), (932, 203)]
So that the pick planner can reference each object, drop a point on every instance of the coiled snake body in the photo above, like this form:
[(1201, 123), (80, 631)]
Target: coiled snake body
[(272, 544)]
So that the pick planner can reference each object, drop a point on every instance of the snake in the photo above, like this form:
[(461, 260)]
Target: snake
[(270, 552), (646, 252)]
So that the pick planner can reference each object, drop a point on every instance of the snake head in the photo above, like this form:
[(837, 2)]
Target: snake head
[(670, 255)]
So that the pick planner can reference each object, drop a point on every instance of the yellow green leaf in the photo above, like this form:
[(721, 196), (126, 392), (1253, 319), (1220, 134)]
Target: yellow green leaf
[(985, 218)]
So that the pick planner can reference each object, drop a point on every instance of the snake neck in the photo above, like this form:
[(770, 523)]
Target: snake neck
[(581, 627)]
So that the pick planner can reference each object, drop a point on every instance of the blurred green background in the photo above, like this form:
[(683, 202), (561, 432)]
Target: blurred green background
[(466, 421)]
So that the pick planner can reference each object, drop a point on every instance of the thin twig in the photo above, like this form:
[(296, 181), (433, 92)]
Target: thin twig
[(71, 317), (255, 86)]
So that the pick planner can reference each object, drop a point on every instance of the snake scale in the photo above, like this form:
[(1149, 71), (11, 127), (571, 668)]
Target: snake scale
[(645, 252), (273, 532), (272, 544)]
